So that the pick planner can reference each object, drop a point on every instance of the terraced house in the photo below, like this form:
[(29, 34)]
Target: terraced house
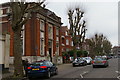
[(40, 36)]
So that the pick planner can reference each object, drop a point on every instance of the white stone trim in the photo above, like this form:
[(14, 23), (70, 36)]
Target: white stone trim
[(30, 59)]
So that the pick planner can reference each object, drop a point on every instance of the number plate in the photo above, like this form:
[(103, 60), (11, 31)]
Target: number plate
[(98, 61), (35, 69)]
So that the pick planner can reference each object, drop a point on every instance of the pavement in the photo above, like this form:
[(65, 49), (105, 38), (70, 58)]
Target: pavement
[(10, 73), (11, 70)]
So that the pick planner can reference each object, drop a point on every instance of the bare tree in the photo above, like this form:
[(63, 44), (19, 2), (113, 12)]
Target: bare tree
[(77, 28), (20, 13)]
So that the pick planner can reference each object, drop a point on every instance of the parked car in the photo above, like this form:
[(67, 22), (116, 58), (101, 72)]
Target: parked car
[(100, 61), (109, 57), (79, 61), (41, 69), (88, 59)]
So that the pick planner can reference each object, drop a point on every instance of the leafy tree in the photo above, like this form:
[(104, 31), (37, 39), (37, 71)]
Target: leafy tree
[(80, 53), (20, 13), (107, 46), (77, 27), (99, 45), (71, 53)]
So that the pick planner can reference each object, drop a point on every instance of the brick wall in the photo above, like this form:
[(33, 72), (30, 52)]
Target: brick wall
[(54, 40), (46, 38)]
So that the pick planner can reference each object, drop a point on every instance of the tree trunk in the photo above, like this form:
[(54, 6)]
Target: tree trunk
[(75, 54), (75, 51), (18, 71)]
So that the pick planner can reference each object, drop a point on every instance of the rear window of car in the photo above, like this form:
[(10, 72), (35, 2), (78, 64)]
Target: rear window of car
[(37, 64), (99, 58)]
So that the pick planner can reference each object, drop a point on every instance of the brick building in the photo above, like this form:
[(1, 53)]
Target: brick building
[(67, 43), (116, 50), (40, 36)]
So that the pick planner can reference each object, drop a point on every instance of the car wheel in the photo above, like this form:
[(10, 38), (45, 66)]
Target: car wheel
[(48, 74), (30, 78), (94, 66), (56, 72), (73, 65), (107, 65), (85, 64)]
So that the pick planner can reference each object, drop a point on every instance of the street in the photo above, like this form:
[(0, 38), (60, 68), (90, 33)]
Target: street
[(68, 71)]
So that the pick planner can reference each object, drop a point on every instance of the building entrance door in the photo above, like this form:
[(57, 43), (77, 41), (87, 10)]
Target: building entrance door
[(50, 53)]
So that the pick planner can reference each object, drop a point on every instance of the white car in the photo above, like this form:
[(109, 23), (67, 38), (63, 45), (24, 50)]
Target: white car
[(88, 59)]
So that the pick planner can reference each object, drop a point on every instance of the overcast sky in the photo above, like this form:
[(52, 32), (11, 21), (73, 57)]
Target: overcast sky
[(101, 15)]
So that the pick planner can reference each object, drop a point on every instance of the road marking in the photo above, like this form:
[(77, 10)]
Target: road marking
[(118, 77), (85, 72), (118, 73), (81, 75)]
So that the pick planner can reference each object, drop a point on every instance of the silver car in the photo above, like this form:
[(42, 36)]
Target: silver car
[(100, 61)]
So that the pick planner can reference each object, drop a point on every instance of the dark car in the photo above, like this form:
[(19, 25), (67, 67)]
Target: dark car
[(41, 69), (109, 57), (99, 61), (79, 61)]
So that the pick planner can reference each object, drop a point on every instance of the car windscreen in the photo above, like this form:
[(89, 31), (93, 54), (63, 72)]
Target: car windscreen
[(81, 59)]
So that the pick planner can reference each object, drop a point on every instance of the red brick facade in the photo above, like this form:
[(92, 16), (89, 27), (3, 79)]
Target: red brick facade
[(46, 38), (32, 33), (66, 39)]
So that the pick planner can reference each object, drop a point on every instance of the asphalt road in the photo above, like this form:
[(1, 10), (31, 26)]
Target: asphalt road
[(67, 71), (109, 72)]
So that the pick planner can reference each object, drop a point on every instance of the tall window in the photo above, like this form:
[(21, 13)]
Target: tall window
[(42, 25), (50, 32), (57, 31), (22, 40), (66, 33), (42, 47), (57, 48), (67, 49), (1, 12), (8, 10), (67, 42), (71, 43), (57, 38)]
